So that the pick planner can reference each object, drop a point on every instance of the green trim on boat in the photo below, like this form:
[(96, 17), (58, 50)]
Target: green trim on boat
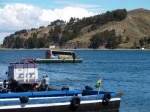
[(58, 60)]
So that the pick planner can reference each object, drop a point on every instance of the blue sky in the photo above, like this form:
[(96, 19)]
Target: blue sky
[(102, 4), (26, 14)]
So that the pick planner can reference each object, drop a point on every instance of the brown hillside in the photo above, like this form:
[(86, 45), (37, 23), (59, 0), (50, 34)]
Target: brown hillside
[(135, 26)]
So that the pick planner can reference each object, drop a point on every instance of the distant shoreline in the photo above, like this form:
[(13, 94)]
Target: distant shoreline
[(67, 49)]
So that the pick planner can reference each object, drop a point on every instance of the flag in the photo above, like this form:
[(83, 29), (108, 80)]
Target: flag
[(98, 83)]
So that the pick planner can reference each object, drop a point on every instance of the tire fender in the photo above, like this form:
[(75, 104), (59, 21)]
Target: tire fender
[(75, 101), (107, 97), (74, 104), (24, 99)]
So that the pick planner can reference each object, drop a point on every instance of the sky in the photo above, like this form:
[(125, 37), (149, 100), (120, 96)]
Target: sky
[(16, 15)]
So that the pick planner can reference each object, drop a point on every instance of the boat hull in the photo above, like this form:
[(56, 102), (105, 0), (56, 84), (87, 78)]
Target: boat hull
[(60, 101), (58, 60), (85, 106)]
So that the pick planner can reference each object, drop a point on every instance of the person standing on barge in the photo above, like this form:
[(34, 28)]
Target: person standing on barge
[(46, 83)]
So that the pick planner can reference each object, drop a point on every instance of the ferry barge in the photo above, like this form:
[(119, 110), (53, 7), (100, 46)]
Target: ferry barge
[(24, 97), (55, 56)]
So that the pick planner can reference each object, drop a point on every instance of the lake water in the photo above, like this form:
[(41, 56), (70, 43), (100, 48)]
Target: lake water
[(122, 70)]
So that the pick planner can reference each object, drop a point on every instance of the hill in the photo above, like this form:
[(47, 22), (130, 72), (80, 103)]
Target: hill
[(135, 26), (134, 30)]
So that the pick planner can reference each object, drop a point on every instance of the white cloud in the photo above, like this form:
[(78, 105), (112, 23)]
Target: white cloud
[(18, 16), (3, 35), (65, 14)]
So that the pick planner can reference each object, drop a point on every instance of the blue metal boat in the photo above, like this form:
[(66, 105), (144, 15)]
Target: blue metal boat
[(60, 101), (24, 97)]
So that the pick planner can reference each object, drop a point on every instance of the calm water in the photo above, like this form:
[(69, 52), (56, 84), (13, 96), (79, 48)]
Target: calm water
[(121, 70)]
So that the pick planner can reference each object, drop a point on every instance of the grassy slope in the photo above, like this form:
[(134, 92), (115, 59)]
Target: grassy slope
[(135, 26)]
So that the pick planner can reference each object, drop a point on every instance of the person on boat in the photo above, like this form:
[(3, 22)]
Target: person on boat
[(41, 85), (46, 83), (73, 57), (4, 83), (15, 84)]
